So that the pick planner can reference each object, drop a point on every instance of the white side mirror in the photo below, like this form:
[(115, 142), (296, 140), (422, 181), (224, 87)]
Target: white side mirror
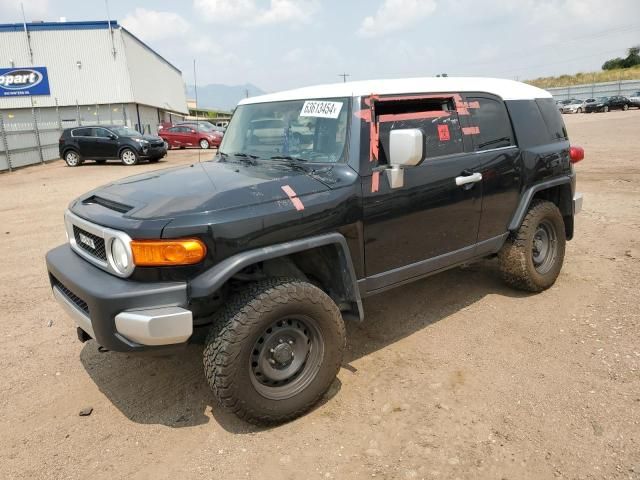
[(405, 147), (405, 150)]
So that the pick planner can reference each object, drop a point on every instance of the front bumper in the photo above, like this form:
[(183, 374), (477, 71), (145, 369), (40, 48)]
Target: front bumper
[(120, 314), (153, 152)]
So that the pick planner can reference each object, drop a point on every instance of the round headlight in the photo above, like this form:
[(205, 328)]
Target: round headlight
[(120, 255)]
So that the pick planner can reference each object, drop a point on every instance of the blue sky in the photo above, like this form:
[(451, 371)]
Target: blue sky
[(279, 44)]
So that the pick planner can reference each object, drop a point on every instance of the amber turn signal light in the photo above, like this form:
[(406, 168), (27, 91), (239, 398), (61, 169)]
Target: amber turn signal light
[(158, 253)]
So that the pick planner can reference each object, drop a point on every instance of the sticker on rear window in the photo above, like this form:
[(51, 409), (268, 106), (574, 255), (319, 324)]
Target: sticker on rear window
[(322, 109)]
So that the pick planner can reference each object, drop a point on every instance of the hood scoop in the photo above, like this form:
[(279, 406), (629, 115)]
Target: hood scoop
[(106, 203)]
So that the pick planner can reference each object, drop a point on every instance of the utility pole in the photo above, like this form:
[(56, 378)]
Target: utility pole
[(344, 77)]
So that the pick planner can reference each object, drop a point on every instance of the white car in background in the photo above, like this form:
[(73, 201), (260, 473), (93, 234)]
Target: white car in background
[(573, 106), (634, 98)]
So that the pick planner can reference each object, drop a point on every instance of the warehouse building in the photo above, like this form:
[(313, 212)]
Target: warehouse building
[(55, 75)]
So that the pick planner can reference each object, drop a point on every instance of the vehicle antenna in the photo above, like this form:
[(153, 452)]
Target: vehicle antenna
[(344, 76)]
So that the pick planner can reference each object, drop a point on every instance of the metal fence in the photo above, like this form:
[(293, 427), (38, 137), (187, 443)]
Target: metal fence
[(30, 136), (592, 90)]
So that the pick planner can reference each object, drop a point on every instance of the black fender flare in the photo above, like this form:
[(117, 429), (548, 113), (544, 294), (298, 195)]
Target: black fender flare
[(210, 281), (527, 196)]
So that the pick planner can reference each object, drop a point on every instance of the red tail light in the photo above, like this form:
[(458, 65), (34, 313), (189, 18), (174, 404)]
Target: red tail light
[(576, 154)]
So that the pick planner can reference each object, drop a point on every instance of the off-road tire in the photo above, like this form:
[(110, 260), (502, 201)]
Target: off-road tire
[(241, 323), (516, 258)]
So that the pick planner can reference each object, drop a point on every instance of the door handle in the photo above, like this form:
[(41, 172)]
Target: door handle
[(465, 179)]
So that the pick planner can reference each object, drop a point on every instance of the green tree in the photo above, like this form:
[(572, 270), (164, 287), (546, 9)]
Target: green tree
[(632, 59)]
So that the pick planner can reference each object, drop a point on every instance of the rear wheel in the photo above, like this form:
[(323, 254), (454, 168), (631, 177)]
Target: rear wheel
[(72, 158), (204, 144), (128, 157), (274, 350), (531, 258), (579, 110)]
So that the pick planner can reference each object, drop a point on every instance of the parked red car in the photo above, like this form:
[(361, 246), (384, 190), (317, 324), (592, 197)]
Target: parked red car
[(184, 136)]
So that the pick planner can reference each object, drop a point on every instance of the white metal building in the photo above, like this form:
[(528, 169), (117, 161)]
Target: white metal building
[(98, 72)]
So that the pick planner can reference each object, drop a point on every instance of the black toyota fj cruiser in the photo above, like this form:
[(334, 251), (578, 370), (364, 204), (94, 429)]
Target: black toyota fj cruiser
[(348, 190)]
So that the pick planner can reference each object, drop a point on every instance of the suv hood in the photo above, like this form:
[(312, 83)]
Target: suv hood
[(198, 188)]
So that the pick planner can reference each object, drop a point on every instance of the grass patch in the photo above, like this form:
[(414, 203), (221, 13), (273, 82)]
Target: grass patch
[(580, 78)]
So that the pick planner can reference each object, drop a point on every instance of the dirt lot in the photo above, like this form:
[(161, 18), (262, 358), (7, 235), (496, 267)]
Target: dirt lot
[(455, 376)]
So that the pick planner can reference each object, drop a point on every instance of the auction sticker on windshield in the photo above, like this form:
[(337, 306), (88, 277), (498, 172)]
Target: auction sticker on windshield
[(322, 109)]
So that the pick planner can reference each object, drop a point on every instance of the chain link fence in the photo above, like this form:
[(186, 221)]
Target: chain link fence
[(30, 136), (593, 90)]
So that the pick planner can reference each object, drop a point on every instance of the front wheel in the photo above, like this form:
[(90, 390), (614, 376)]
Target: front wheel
[(605, 109), (579, 110), (531, 258), (274, 350), (204, 144), (625, 107), (128, 157)]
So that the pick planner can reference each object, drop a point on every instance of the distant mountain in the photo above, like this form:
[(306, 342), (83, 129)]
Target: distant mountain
[(223, 97)]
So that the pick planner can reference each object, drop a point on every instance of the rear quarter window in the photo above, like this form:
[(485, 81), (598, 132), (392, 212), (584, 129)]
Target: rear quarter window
[(530, 128), (552, 118)]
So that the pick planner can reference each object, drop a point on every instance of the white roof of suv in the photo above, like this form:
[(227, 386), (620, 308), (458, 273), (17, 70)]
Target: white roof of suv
[(506, 89)]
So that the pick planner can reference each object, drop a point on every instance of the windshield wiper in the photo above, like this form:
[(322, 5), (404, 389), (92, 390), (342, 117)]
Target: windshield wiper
[(497, 140), (287, 157), (243, 157)]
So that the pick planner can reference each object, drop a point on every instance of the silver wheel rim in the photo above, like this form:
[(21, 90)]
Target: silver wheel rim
[(204, 144), (166, 145), (128, 157), (72, 159)]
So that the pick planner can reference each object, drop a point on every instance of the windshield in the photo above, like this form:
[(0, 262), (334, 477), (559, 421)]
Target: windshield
[(566, 102), (307, 130), (126, 132), (576, 102), (602, 99)]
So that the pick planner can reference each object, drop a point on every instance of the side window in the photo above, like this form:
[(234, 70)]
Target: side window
[(101, 132), (552, 119), (437, 118), (490, 121), (174, 129), (81, 132)]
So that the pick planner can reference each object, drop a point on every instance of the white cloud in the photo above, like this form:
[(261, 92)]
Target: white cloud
[(394, 15), (33, 10), (247, 12), (152, 25)]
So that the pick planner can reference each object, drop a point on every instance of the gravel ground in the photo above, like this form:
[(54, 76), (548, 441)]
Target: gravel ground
[(455, 376)]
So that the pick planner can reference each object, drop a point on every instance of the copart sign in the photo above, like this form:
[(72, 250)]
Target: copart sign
[(24, 81)]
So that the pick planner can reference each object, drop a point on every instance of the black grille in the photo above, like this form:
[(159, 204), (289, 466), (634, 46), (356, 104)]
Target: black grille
[(76, 300), (99, 250)]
